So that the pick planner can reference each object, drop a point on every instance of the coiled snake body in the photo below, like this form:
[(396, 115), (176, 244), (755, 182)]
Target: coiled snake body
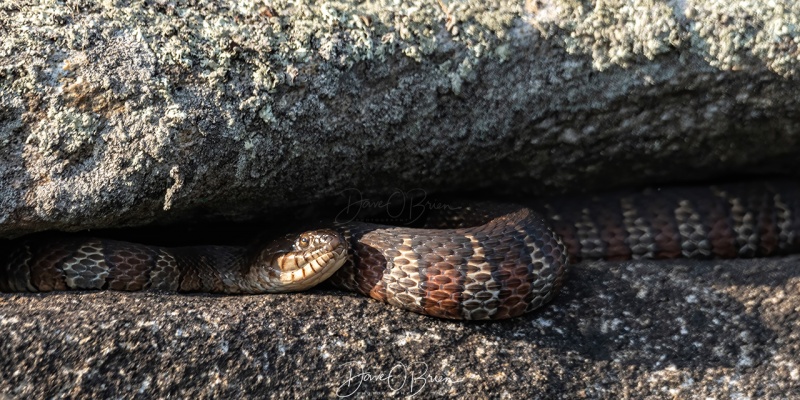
[(491, 262)]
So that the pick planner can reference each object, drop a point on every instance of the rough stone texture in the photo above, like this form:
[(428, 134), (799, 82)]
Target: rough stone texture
[(124, 113), (128, 112), (634, 329)]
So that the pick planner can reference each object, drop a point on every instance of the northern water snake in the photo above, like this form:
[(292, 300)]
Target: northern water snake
[(512, 262)]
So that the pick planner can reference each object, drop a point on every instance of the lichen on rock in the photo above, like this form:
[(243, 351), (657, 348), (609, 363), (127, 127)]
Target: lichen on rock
[(262, 106)]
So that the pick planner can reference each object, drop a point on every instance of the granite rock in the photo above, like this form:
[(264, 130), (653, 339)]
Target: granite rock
[(677, 329), (134, 112), (129, 113)]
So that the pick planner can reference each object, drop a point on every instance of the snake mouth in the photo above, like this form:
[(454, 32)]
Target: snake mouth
[(316, 255)]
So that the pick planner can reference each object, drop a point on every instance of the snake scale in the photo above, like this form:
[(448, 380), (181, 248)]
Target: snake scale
[(480, 261)]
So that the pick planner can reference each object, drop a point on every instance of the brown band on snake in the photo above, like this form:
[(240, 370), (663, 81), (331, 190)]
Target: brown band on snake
[(485, 261), (491, 271), (297, 262), (725, 221)]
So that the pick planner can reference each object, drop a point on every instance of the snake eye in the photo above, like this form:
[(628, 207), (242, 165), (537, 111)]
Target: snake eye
[(303, 242)]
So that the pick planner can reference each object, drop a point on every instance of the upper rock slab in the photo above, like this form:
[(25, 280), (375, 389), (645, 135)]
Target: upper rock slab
[(125, 113)]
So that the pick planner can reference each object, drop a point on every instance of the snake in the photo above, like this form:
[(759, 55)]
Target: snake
[(470, 261)]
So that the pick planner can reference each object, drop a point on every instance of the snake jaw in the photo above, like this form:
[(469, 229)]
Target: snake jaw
[(314, 257)]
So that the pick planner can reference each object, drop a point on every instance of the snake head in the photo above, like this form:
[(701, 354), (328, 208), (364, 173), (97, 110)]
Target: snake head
[(299, 262)]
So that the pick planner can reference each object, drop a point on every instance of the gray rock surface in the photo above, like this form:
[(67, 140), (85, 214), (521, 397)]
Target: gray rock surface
[(127, 113), (674, 329), (133, 112)]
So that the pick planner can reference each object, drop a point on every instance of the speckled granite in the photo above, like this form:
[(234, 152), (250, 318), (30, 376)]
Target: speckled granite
[(132, 112), (675, 329)]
